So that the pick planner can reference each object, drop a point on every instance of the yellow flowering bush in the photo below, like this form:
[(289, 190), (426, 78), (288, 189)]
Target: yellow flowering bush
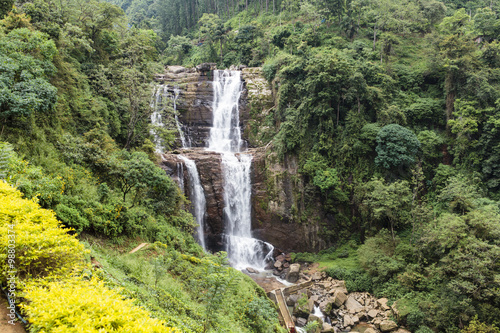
[(78, 306), (42, 247)]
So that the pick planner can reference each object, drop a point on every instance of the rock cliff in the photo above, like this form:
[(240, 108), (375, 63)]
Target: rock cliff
[(209, 168), (283, 212)]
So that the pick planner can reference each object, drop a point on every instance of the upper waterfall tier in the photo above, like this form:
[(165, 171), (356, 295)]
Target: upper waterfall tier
[(225, 134)]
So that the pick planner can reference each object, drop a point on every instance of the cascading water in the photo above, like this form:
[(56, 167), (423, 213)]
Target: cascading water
[(225, 137), (197, 197), (159, 103), (156, 104), (185, 144)]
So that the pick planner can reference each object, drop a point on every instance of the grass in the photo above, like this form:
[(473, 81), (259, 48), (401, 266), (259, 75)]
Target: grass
[(344, 256)]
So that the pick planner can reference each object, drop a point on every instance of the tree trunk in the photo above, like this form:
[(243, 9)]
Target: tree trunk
[(374, 36)]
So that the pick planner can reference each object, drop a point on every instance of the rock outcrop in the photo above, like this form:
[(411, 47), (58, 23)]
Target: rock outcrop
[(283, 214)]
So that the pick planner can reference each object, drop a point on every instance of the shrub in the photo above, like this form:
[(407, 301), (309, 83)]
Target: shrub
[(475, 326), (71, 218), (42, 247), (355, 280), (76, 305)]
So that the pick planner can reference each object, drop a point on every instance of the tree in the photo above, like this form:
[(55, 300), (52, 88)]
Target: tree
[(5, 7), (179, 46), (386, 201), (456, 49), (212, 30), (25, 70), (134, 173), (397, 147)]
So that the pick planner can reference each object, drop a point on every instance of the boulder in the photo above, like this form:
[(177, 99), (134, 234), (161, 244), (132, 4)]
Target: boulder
[(252, 270), (317, 276), (291, 300), (348, 320), (301, 322), (355, 320), (312, 318), (278, 264), (315, 299), (337, 285), (327, 328), (177, 69), (388, 325), (395, 310), (370, 330), (206, 66), (303, 309), (339, 298), (382, 304), (352, 305), (373, 313), (326, 305), (293, 274)]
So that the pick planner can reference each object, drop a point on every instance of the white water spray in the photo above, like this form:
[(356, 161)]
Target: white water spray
[(197, 197), (225, 137)]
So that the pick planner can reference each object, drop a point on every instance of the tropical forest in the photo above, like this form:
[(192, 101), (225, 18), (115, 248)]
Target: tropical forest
[(238, 166)]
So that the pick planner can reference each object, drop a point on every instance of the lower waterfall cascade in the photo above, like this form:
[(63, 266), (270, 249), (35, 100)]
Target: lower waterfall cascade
[(225, 137)]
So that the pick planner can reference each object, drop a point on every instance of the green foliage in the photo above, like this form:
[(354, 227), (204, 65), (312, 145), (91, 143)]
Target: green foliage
[(385, 201), (355, 279), (478, 327), (397, 147), (26, 66), (377, 256)]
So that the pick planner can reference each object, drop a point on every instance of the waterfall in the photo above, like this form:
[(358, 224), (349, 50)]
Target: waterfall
[(225, 134), (156, 105), (180, 176), (225, 137), (197, 197), (159, 102), (185, 144)]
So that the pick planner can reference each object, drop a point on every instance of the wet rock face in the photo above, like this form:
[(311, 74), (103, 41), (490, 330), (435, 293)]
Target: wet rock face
[(209, 169), (195, 101), (279, 203)]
